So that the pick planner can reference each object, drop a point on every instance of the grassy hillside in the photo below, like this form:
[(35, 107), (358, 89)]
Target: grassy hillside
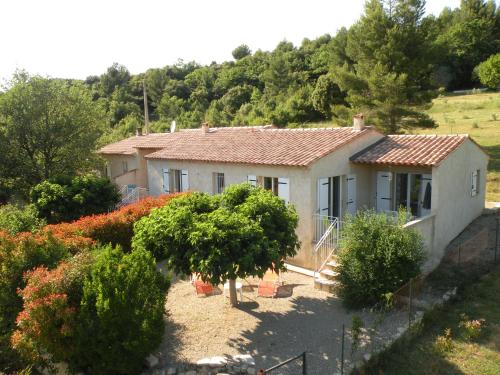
[(479, 116), (460, 355)]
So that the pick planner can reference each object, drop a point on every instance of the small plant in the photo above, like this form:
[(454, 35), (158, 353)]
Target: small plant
[(494, 117), (357, 325), (475, 125), (465, 117), (471, 329), (444, 343)]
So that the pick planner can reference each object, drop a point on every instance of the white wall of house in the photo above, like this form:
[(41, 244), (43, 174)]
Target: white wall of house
[(456, 207)]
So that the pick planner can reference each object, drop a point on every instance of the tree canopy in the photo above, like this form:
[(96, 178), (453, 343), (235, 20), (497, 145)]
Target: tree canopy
[(243, 232)]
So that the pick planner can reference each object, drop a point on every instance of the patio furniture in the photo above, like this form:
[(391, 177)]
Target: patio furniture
[(239, 289), (269, 284), (201, 287)]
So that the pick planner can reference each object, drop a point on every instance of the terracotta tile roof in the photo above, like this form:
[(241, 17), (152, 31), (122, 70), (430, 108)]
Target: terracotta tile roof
[(160, 140), (294, 147), (410, 150)]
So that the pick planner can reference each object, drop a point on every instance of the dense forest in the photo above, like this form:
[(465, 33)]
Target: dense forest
[(389, 65)]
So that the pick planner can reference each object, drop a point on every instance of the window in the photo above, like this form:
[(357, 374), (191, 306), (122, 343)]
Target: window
[(124, 166), (474, 183), (218, 183), (175, 180), (279, 186)]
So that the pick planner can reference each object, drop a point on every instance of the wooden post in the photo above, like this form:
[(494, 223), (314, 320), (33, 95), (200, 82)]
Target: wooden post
[(342, 352), (304, 364)]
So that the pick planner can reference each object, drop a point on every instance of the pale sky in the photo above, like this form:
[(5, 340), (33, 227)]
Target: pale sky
[(78, 38)]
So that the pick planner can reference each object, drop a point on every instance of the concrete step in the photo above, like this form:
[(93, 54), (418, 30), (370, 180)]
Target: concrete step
[(332, 264), (328, 273), (329, 286)]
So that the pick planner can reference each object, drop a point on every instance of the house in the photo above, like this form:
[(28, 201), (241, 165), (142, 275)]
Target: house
[(324, 172)]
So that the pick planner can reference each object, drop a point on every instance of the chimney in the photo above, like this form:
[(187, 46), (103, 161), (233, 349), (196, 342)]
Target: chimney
[(358, 122), (205, 127), (138, 131)]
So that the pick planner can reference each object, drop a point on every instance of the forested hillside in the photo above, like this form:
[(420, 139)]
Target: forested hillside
[(388, 64)]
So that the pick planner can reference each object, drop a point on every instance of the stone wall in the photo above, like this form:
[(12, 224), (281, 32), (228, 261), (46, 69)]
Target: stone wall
[(227, 365)]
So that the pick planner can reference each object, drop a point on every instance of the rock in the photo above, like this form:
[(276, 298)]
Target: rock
[(217, 362), (191, 372), (159, 372), (245, 358), (367, 356), (204, 362), (152, 361), (401, 330), (171, 371), (251, 371)]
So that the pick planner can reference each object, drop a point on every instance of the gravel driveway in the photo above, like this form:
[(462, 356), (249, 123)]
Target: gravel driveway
[(270, 329)]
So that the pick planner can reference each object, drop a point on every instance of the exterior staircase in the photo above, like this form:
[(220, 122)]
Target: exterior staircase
[(325, 253), (326, 278)]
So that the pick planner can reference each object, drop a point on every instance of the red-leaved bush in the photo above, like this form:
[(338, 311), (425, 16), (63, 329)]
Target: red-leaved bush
[(116, 227)]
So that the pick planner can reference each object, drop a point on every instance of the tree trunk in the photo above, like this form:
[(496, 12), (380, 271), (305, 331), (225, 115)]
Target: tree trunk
[(233, 298)]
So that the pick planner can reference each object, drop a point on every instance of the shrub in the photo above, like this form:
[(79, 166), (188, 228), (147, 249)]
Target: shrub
[(471, 329), (377, 256), (17, 256), (67, 199), (14, 219), (115, 227), (489, 71), (444, 343), (100, 314)]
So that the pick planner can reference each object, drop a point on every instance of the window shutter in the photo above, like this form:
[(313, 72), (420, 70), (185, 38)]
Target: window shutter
[(166, 180), (474, 183), (252, 180), (184, 180), (384, 201), (284, 189)]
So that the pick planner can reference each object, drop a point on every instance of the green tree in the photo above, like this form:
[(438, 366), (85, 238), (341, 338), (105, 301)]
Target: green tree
[(14, 219), (67, 199), (489, 71), (51, 127), (241, 233), (241, 52)]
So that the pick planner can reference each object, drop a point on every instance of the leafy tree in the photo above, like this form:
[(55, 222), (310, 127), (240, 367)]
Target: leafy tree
[(67, 199), (241, 52), (241, 233), (51, 128), (116, 76), (489, 71), (377, 257)]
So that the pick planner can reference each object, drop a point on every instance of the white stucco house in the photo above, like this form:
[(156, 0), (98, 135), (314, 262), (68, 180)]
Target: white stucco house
[(324, 172)]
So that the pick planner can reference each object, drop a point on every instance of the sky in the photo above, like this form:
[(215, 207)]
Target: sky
[(79, 38)]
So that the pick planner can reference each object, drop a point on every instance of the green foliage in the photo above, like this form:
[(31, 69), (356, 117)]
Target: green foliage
[(57, 135), (67, 199), (242, 232), (99, 313), (17, 256), (377, 257), (121, 316), (15, 220), (241, 52), (489, 71)]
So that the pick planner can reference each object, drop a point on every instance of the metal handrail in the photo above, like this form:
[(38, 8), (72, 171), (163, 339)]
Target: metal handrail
[(326, 243)]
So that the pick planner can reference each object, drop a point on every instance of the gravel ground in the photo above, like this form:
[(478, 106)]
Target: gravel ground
[(270, 329)]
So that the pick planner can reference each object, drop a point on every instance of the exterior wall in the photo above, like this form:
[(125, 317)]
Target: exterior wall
[(451, 194), (426, 227), (303, 183), (115, 164)]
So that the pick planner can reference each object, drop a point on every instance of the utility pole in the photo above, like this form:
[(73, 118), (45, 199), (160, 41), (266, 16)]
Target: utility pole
[(146, 112)]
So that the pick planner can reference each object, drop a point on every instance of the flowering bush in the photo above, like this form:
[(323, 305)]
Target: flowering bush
[(100, 314), (471, 328), (444, 343)]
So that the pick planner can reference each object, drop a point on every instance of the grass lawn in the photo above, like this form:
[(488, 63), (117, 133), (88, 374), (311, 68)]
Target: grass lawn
[(480, 300), (479, 116)]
